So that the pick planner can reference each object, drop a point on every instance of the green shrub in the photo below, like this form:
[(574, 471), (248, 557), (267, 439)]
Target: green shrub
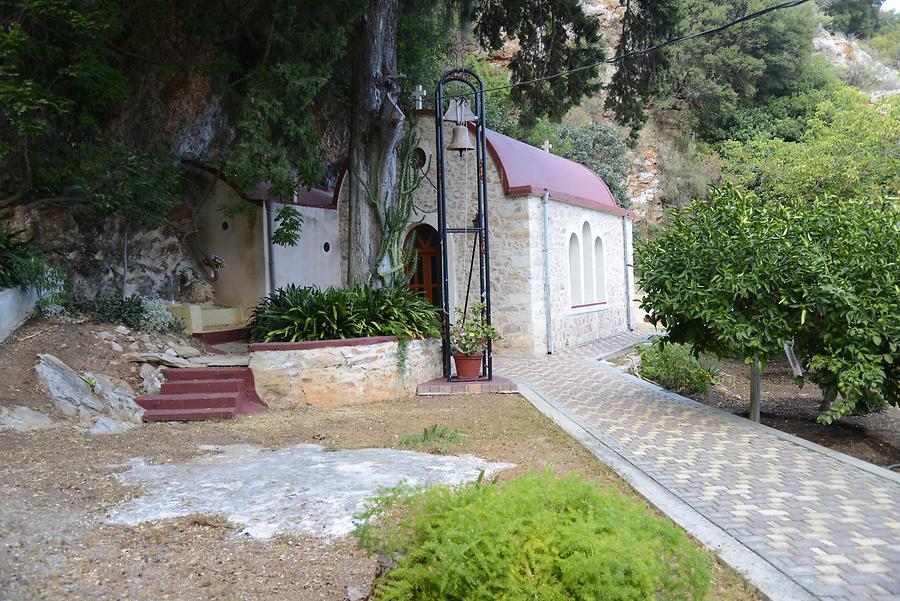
[(673, 367), (294, 314), (438, 438), (536, 537), (136, 312), (19, 262)]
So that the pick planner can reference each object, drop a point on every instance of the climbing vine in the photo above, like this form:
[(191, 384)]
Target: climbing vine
[(393, 213)]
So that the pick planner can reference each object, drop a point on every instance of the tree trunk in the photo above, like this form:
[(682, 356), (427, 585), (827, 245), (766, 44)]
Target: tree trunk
[(755, 390), (376, 126)]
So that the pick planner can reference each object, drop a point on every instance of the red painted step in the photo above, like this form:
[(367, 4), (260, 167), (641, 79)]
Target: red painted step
[(200, 393), (177, 415), (203, 386)]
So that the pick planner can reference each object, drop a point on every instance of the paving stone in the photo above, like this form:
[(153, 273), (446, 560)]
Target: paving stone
[(797, 507)]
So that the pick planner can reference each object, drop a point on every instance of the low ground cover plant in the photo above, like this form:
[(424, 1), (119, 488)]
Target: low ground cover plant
[(295, 313), (436, 438), (673, 367), (136, 311), (536, 537)]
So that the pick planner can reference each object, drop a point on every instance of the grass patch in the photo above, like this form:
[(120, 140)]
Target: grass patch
[(434, 437), (536, 537)]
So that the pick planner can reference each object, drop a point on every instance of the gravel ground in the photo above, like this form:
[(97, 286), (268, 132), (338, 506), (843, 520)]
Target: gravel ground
[(58, 486)]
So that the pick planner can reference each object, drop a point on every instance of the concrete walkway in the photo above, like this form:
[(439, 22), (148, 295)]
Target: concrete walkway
[(798, 520)]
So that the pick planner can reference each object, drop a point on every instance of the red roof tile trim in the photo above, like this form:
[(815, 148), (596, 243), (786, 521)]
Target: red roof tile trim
[(313, 344), (319, 198)]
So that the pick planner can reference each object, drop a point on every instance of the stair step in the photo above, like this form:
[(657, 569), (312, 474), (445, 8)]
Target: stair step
[(173, 415), (196, 400), (199, 386), (206, 373)]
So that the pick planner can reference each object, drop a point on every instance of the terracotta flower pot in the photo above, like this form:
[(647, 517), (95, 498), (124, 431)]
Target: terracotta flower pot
[(468, 367)]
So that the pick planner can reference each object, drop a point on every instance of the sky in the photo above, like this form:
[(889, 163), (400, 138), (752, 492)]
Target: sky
[(891, 5)]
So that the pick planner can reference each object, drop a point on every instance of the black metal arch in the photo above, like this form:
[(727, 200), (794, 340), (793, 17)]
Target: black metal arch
[(479, 227)]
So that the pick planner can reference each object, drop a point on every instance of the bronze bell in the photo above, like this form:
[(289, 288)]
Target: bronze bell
[(460, 140)]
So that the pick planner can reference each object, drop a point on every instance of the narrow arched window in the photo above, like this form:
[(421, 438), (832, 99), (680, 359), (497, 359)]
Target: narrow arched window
[(587, 257), (600, 269), (575, 270)]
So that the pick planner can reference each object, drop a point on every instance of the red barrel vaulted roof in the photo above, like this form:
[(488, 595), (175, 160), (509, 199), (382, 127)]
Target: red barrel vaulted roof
[(530, 171)]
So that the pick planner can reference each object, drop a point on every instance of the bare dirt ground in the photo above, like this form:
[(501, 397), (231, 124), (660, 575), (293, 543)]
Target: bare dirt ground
[(58, 485), (787, 407), (78, 346)]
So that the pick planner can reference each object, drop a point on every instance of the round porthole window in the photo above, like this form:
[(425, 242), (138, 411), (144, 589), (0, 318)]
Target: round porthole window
[(224, 226), (421, 157), (326, 247)]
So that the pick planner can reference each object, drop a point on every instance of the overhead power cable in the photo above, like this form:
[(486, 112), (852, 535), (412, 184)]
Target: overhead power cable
[(643, 51)]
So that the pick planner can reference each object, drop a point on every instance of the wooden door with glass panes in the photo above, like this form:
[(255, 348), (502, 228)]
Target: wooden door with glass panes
[(424, 240)]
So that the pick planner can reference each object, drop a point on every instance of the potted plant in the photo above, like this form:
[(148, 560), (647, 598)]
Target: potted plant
[(469, 336)]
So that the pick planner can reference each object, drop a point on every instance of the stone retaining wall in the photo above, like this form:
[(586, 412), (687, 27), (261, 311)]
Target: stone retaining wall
[(341, 372)]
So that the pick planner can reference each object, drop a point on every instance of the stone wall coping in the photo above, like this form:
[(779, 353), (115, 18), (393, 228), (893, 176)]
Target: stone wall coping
[(314, 344)]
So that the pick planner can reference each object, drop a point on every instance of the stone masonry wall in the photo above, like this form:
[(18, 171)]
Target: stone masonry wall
[(517, 271), (342, 375), (576, 326)]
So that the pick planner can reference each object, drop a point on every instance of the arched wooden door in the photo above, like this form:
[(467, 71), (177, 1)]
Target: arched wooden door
[(427, 278)]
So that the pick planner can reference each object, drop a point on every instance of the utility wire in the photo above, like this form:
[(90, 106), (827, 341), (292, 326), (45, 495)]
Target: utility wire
[(643, 51)]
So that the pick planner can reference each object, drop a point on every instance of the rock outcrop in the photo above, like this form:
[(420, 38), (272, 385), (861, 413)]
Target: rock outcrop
[(23, 419), (98, 398)]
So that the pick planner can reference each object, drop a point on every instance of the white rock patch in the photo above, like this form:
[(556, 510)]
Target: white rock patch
[(296, 490)]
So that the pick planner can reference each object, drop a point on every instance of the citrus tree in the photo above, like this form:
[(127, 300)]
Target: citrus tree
[(739, 276)]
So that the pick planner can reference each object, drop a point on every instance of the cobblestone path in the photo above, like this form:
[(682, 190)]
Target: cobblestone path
[(826, 521)]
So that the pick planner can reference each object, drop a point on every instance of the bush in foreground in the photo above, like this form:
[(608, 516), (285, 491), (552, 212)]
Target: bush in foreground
[(674, 368), (537, 537), (136, 312), (295, 314)]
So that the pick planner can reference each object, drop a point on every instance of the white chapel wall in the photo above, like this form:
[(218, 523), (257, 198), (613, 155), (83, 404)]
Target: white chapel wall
[(239, 241), (316, 259), (576, 325)]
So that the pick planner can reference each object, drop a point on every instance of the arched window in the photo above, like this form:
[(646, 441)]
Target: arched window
[(575, 270), (589, 292), (600, 269)]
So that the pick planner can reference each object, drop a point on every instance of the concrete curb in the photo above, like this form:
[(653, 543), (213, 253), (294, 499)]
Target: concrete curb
[(771, 582)]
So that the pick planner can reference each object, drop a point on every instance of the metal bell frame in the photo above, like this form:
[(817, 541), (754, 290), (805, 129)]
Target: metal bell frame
[(469, 79)]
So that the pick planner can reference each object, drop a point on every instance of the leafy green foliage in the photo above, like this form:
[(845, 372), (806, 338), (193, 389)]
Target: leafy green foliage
[(754, 61), (59, 82), (598, 146), (470, 333), (566, 39), (288, 224), (853, 17), (17, 259), (137, 312), (638, 79), (437, 438), (848, 147), (536, 537), (687, 169), (885, 44), (294, 314), (673, 367), (739, 276), (290, 64)]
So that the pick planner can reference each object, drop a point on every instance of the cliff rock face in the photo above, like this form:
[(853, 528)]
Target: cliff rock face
[(112, 256), (856, 66)]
